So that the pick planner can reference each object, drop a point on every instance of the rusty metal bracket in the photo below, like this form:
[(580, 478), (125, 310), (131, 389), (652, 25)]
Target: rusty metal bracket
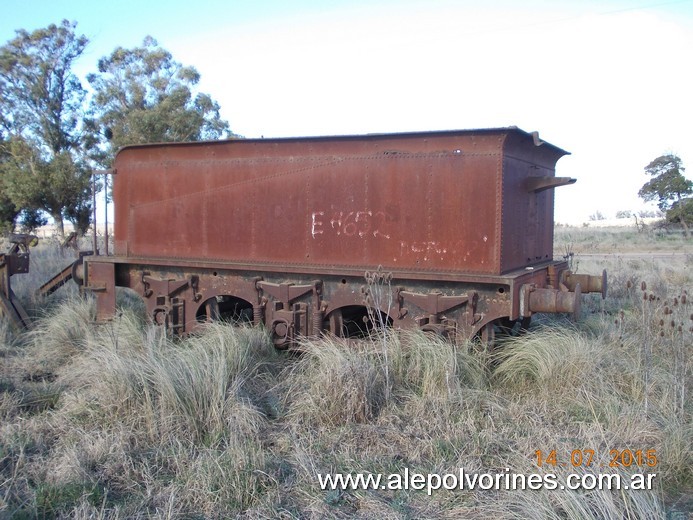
[(100, 280), (473, 316), (288, 324), (539, 184), (434, 304), (146, 287), (195, 286), (170, 313), (446, 328), (284, 292), (166, 287), (525, 291), (290, 320), (169, 310), (15, 261)]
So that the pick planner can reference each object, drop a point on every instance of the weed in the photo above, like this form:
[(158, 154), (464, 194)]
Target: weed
[(118, 421)]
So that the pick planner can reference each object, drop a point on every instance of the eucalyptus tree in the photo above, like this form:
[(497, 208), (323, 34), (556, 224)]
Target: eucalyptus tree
[(41, 111), (143, 95), (8, 210)]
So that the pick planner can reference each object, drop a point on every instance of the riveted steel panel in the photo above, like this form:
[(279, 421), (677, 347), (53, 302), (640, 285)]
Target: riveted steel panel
[(439, 202)]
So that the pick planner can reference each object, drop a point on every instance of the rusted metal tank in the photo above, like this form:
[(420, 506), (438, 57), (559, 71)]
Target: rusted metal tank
[(462, 202), (285, 229)]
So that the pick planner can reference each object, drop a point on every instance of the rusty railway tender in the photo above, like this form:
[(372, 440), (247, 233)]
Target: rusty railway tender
[(454, 227)]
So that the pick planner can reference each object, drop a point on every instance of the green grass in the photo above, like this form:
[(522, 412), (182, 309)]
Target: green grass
[(119, 421)]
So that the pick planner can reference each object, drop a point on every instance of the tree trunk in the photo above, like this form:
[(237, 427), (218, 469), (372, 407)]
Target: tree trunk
[(59, 226), (638, 225), (682, 216)]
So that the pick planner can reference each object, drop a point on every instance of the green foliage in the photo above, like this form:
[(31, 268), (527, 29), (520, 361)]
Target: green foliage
[(54, 500), (8, 214), (667, 184), (41, 114), (48, 145), (57, 184), (31, 219), (681, 210), (142, 95), (42, 97), (668, 187), (8, 209)]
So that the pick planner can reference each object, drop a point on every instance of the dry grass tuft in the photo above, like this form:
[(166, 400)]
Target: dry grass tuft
[(196, 391), (430, 366), (60, 333), (548, 360), (119, 421), (335, 382)]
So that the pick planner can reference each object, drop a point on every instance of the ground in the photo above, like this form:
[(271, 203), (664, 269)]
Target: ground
[(118, 421)]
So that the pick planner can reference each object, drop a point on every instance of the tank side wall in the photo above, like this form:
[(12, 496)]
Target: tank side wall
[(420, 203)]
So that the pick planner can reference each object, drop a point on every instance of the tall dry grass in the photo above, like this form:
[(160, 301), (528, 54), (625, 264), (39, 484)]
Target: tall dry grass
[(138, 414), (119, 421), (47, 259)]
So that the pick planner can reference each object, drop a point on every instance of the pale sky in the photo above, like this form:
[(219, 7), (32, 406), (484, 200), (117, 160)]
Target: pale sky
[(609, 81)]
